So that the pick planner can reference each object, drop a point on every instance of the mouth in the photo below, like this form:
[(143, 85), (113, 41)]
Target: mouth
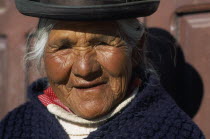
[(89, 85)]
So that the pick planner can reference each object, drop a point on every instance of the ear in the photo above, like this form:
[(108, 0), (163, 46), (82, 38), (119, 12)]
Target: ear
[(137, 52)]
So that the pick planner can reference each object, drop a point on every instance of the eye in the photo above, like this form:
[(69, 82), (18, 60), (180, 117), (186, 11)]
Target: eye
[(102, 43), (65, 44), (64, 47)]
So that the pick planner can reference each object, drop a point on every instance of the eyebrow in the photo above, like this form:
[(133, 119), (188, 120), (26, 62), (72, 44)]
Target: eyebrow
[(102, 38), (93, 39), (59, 43)]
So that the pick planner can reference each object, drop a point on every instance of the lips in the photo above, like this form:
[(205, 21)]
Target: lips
[(83, 84), (88, 86)]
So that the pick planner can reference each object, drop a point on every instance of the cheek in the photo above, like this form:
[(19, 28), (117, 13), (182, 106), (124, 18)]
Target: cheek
[(58, 66), (116, 61)]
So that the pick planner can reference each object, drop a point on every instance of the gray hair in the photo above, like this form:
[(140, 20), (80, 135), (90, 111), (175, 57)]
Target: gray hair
[(130, 30)]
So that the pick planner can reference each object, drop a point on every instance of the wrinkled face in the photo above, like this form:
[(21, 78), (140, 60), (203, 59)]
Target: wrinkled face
[(88, 66)]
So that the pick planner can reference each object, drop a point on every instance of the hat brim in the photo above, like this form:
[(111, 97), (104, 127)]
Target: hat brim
[(87, 13)]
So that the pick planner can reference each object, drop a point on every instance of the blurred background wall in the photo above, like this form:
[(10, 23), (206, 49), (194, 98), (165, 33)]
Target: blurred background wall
[(187, 20)]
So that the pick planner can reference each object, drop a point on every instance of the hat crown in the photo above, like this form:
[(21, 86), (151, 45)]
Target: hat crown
[(85, 2)]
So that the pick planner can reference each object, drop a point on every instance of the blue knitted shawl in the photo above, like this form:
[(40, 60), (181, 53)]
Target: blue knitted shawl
[(151, 114)]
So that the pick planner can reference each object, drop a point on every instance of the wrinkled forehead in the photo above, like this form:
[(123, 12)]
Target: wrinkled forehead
[(108, 28)]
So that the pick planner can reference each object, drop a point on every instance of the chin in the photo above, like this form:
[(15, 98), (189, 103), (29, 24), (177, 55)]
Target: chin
[(93, 110)]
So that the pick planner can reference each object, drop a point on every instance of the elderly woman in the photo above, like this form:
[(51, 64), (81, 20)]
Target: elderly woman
[(99, 82)]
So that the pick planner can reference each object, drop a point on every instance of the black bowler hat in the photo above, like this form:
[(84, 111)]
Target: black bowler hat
[(82, 10)]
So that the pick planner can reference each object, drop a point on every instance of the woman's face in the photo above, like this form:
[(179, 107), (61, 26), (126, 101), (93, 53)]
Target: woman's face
[(88, 66)]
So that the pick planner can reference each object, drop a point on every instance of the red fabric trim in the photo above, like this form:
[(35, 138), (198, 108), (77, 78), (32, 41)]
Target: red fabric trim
[(49, 97)]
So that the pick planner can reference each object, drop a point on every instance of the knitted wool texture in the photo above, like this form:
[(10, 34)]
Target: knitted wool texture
[(151, 114)]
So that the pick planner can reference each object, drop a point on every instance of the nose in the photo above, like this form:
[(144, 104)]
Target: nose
[(86, 66)]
